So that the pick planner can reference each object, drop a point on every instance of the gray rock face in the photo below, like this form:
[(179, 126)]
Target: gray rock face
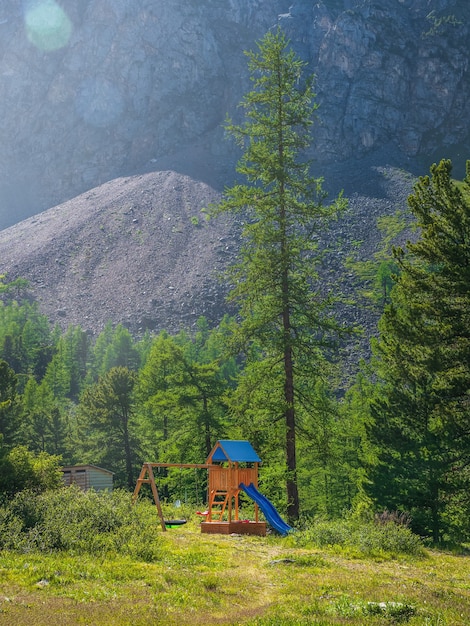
[(389, 72), (92, 90)]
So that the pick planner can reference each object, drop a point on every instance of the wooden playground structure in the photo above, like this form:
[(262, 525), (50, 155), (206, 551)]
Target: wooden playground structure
[(230, 464)]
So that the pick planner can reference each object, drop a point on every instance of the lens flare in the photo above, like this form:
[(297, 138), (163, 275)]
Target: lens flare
[(47, 25)]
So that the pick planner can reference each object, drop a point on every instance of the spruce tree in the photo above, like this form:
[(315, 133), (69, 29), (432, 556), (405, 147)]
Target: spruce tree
[(275, 281), (107, 409), (8, 408), (422, 410)]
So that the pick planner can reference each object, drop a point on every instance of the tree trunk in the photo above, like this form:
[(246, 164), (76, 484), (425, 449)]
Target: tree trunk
[(127, 452), (207, 427), (292, 490)]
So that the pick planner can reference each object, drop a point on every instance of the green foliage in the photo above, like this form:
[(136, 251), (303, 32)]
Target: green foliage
[(114, 348), (182, 389), (13, 290), (358, 536), (376, 274), (421, 409), (69, 366), (78, 522), (41, 428), (26, 342), (8, 405), (108, 410), (283, 318), (329, 456), (22, 469), (438, 23)]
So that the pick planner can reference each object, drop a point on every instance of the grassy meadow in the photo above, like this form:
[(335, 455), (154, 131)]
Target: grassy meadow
[(183, 577)]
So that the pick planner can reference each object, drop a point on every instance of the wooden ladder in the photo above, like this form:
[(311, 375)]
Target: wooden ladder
[(217, 505)]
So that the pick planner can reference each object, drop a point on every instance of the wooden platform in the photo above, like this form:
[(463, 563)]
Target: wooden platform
[(240, 528)]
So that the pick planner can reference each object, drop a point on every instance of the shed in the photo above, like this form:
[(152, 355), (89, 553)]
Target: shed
[(88, 477)]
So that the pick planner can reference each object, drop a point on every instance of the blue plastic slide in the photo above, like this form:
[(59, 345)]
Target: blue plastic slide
[(270, 513)]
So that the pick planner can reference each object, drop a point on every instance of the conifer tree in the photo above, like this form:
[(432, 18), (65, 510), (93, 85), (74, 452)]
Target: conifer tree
[(159, 379), (274, 282), (422, 410), (182, 396), (108, 409), (8, 412)]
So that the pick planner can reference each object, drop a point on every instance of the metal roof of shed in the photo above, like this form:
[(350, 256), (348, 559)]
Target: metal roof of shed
[(85, 466), (235, 451)]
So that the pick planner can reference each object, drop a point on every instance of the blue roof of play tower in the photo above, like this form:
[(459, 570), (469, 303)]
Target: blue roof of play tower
[(235, 451)]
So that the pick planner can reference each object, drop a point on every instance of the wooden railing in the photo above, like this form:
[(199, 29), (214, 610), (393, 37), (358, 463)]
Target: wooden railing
[(229, 479)]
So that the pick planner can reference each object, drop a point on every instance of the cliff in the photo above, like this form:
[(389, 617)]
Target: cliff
[(93, 90)]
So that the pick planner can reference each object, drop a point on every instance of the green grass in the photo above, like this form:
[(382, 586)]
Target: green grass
[(232, 580)]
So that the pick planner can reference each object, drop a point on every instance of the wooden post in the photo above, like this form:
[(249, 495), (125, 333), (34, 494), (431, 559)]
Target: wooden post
[(237, 491), (255, 482), (231, 478), (156, 497), (147, 470), (139, 483)]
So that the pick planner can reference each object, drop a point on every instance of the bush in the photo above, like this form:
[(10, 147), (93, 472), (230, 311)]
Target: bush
[(11, 527), (364, 537), (79, 522), (21, 469)]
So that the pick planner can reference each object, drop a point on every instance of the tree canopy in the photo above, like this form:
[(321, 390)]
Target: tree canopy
[(422, 409)]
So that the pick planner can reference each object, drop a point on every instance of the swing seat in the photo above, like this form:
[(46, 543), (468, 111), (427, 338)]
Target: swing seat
[(172, 523)]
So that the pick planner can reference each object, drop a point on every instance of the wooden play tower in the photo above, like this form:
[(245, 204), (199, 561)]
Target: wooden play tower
[(229, 464)]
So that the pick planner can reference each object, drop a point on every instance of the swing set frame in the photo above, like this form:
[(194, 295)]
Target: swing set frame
[(147, 476)]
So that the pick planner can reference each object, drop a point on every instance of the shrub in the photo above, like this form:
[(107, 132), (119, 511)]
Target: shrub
[(21, 469), (80, 522), (11, 527), (365, 537)]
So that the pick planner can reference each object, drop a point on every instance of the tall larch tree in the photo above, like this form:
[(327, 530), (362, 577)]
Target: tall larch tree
[(274, 282)]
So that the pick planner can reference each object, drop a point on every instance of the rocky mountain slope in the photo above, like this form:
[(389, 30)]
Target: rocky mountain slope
[(139, 251), (136, 250)]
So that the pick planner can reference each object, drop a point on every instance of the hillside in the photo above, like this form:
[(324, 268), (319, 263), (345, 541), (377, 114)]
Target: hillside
[(135, 250), (139, 251), (112, 113)]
